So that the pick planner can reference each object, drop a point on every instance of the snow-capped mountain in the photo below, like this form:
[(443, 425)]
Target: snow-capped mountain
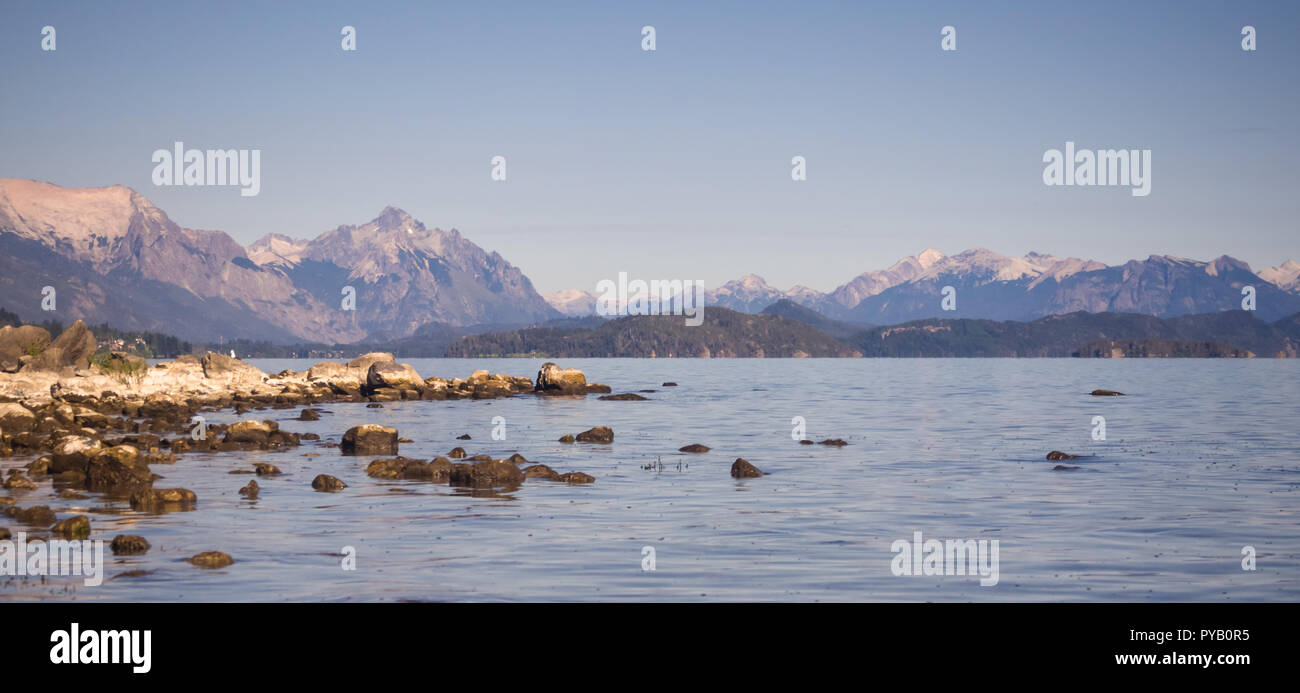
[(1285, 276), (113, 257)]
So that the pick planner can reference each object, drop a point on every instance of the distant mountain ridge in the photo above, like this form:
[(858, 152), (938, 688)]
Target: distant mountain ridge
[(992, 286), (115, 258)]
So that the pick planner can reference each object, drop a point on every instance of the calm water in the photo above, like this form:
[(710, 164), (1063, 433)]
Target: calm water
[(1199, 460)]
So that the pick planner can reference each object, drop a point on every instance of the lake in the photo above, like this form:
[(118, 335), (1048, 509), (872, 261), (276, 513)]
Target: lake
[(1201, 459)]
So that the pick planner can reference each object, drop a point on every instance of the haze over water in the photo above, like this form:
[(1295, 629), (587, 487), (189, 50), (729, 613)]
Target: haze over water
[(1199, 461)]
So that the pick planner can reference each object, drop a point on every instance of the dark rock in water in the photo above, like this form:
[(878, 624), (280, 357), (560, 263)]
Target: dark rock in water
[(577, 478), (210, 559), (438, 470), (36, 516), (160, 499), (119, 469), (1058, 455), (76, 527), (478, 458), (486, 473), (624, 397), (693, 447), (599, 434), (805, 441), (555, 380), (405, 440), (309, 415), (1064, 467), (18, 481), (5, 533), (463, 436), (264, 469), (457, 453), (517, 459), (742, 469), (15, 418), (647, 391), (833, 442), (541, 471), (327, 483), (598, 389), (129, 545), (669, 384), (369, 439), (374, 405), (1106, 393), (566, 438), (251, 489)]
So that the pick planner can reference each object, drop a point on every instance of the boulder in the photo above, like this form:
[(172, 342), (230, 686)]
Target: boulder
[(18, 342), (75, 527), (742, 469), (398, 376), (220, 366), (599, 434), (553, 379), (118, 469), (486, 473), (73, 453), (364, 361), (624, 397), (210, 559), (15, 418), (129, 545), (577, 478), (541, 471), (369, 439), (1106, 393), (72, 349), (693, 447), (1058, 455), (327, 483)]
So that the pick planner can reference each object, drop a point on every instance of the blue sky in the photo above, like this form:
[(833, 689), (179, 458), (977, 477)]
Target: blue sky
[(676, 163)]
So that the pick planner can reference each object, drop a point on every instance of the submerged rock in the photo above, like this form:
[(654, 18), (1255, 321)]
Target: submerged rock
[(129, 545), (36, 516), (1106, 393), (210, 559), (75, 527), (369, 439), (437, 470), (694, 447), (457, 453), (1064, 467), (161, 499), (742, 469), (486, 473), (599, 434), (566, 438), (577, 478), (624, 397), (1058, 455), (834, 442), (327, 483), (541, 471)]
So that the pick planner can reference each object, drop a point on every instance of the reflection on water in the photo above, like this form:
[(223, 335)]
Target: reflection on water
[(1199, 461)]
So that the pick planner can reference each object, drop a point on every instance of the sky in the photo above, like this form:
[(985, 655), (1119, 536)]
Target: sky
[(676, 163)]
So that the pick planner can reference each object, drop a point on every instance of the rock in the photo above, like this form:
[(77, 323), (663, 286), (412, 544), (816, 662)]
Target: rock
[(210, 559), (742, 469), (599, 434), (1106, 393), (264, 469), (69, 494), (5, 533), (15, 418), (1058, 455), (369, 439), (75, 527), (598, 389), (374, 405), (158, 500), (129, 545), (393, 375), (119, 469), (486, 473), (833, 442), (309, 415), (222, 366), (464, 436), (18, 342), (438, 470), (340, 379), (1064, 467), (19, 482), (456, 453), (805, 441), (255, 434), (73, 453), (517, 459), (693, 447), (577, 478), (624, 397), (69, 350), (566, 438), (541, 471), (365, 361), (36, 516), (40, 465), (669, 384), (553, 379), (327, 483)]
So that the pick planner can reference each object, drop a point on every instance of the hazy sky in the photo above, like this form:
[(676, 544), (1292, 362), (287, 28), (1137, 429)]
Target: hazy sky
[(676, 163)]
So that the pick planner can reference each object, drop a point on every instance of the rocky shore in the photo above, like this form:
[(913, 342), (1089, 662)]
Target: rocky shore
[(97, 422)]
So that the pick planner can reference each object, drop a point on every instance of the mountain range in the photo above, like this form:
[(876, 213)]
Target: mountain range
[(998, 287), (113, 257)]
